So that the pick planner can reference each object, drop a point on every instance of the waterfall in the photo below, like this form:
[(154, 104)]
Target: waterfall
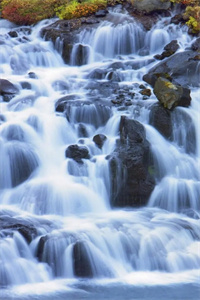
[(58, 133)]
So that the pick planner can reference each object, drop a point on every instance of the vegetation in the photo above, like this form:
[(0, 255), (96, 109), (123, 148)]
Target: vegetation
[(27, 12), (191, 14)]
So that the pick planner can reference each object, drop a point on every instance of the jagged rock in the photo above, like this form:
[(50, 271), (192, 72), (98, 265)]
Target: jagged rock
[(131, 181), (160, 118), (171, 95), (151, 6), (77, 153), (99, 140), (175, 67)]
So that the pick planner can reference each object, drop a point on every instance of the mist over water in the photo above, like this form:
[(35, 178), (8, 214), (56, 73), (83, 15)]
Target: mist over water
[(65, 203)]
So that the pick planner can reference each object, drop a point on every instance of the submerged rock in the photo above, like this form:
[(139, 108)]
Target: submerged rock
[(131, 181)]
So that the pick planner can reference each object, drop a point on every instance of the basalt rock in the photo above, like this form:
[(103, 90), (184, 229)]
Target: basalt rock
[(131, 180)]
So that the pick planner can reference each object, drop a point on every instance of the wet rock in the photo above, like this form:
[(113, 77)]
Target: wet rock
[(60, 105), (8, 88), (81, 260), (151, 6), (13, 34), (131, 182), (171, 95), (101, 13), (32, 75), (169, 49), (196, 45), (177, 19), (145, 92), (99, 140), (26, 85), (161, 119), (77, 153), (11, 224), (82, 130), (97, 74), (176, 67), (79, 55)]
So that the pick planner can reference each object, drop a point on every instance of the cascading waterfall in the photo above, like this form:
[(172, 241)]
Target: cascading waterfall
[(58, 226)]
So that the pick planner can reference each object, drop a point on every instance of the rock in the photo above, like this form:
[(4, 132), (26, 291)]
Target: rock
[(97, 74), (151, 6), (169, 49), (171, 95), (82, 130), (60, 105), (6, 87), (176, 67), (145, 92), (79, 55), (101, 13), (99, 140), (32, 75), (196, 45), (25, 85), (13, 34), (131, 182), (161, 119), (11, 224), (77, 153), (177, 19), (81, 260)]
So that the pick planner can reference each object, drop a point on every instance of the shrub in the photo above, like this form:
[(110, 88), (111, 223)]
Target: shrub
[(76, 10), (27, 12)]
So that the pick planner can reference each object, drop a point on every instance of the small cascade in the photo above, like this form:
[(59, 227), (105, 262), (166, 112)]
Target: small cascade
[(70, 135)]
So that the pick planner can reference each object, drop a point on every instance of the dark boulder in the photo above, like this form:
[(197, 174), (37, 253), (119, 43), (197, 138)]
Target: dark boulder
[(145, 92), (131, 180), (7, 89), (81, 260), (99, 140), (160, 118), (171, 95), (13, 34), (79, 55), (181, 67), (169, 49), (77, 153)]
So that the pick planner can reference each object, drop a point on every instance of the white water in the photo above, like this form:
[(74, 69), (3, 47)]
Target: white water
[(68, 202)]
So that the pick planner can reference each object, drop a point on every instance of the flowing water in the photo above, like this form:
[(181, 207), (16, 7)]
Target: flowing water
[(80, 247)]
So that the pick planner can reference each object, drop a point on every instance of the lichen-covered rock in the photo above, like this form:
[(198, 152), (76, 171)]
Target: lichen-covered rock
[(171, 95)]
